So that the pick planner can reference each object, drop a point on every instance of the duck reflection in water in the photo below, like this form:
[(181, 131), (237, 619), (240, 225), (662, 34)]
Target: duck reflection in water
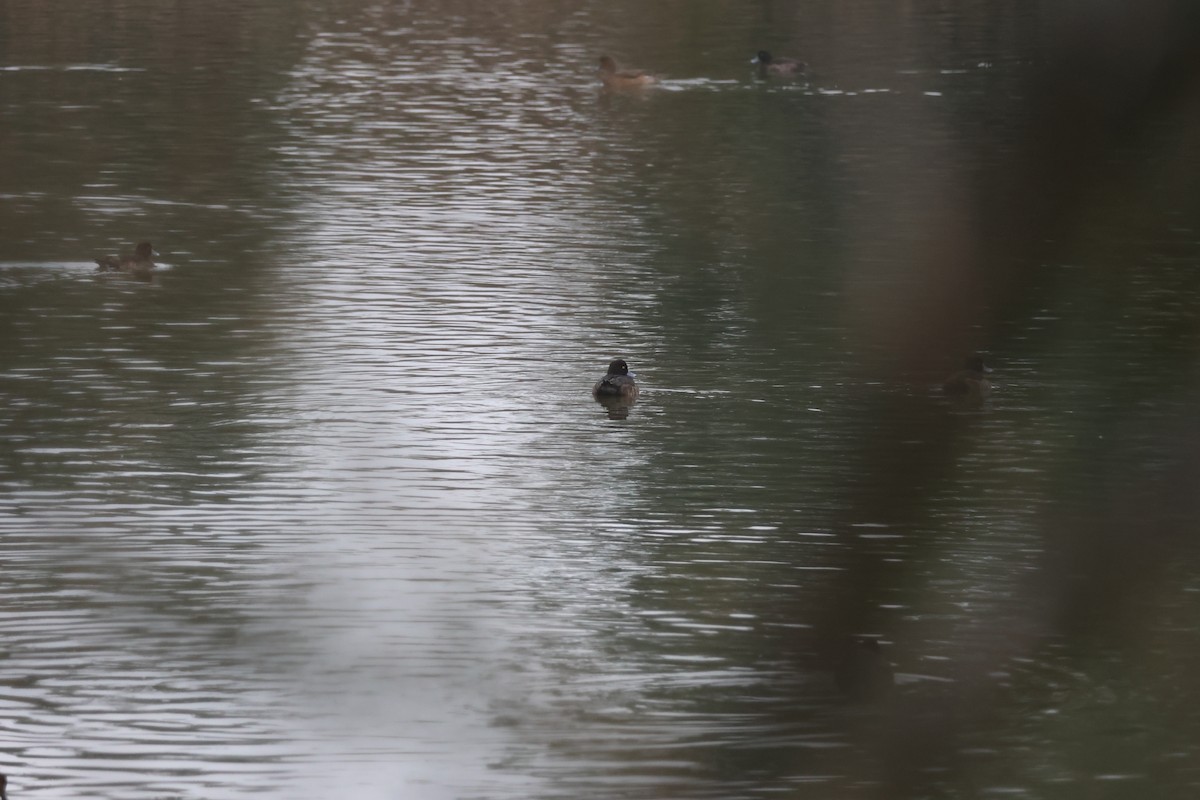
[(863, 674), (617, 391), (3, 786)]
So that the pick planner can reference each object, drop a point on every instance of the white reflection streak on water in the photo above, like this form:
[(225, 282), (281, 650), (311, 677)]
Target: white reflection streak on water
[(441, 336)]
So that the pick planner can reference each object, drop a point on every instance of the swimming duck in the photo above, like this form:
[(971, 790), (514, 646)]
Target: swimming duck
[(140, 263), (864, 673), (3, 786), (614, 78), (617, 383), (768, 65), (970, 381)]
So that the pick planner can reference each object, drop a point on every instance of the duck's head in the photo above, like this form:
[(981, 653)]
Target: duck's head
[(763, 58), (975, 364), (144, 251), (618, 367)]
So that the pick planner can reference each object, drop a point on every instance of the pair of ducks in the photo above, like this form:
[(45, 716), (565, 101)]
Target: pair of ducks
[(139, 265), (969, 382), (613, 77)]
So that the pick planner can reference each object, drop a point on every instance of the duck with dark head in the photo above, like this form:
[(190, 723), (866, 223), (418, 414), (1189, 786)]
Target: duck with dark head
[(863, 673), (781, 67), (140, 264), (617, 383), (970, 382)]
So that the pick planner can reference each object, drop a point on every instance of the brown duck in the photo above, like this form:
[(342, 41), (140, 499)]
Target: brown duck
[(141, 263)]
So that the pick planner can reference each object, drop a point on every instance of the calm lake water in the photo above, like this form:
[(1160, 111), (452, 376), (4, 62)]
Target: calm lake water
[(326, 508)]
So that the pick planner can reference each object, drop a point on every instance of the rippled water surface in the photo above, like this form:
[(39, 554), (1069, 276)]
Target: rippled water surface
[(326, 508)]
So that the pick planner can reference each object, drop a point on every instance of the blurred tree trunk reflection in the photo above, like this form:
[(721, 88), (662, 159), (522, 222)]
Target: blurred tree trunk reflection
[(1111, 76)]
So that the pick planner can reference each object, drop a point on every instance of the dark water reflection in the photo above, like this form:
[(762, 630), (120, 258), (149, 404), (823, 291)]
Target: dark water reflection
[(327, 509)]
